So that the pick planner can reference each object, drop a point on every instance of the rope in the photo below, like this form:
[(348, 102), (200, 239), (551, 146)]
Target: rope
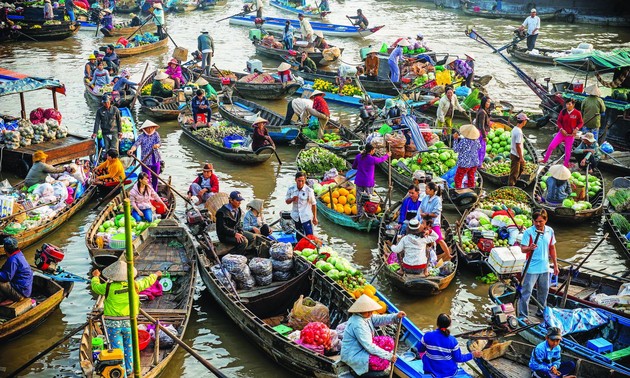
[(615, 83)]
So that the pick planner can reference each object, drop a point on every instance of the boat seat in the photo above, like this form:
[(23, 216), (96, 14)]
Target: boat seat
[(15, 309)]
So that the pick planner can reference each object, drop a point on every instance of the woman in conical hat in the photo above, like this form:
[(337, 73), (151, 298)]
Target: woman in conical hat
[(149, 142), (357, 344), (558, 186)]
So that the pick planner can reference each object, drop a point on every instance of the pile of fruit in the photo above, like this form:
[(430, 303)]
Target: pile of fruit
[(316, 333), (579, 180), (116, 225), (498, 145), (146, 90), (438, 160), (502, 168), (215, 134), (318, 160), (333, 140), (325, 86)]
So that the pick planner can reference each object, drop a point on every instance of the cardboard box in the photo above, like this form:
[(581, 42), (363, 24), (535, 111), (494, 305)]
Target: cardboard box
[(504, 260)]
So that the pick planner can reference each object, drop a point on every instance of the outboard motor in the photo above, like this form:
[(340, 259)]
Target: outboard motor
[(47, 258), (504, 317), (286, 222)]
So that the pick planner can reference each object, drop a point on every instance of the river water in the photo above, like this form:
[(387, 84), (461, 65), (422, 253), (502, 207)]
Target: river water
[(210, 331)]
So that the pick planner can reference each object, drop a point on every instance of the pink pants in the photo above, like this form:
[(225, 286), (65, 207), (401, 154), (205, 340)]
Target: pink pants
[(568, 146)]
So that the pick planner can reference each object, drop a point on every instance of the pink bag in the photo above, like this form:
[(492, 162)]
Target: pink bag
[(154, 291)]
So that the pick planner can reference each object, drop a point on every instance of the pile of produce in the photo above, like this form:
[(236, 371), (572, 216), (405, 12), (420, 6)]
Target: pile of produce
[(128, 138), (619, 199), (146, 90), (139, 40), (579, 180), (215, 134), (325, 86), (116, 225), (318, 160), (316, 333), (498, 145), (438, 160), (621, 223), (236, 266), (502, 168), (333, 140)]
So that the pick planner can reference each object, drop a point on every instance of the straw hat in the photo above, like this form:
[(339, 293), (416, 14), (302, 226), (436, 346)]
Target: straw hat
[(161, 76), (146, 124), (470, 55), (593, 90), (208, 167), (374, 50), (559, 172), (589, 137), (403, 42), (469, 132), (449, 60), (39, 155), (118, 271), (132, 15), (157, 6), (259, 120), (319, 33), (284, 66), (414, 226), (256, 205), (364, 304), (201, 81), (173, 61), (316, 93)]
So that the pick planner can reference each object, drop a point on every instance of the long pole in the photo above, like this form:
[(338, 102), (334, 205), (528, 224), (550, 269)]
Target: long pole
[(391, 370), (133, 300), (162, 180), (138, 90), (584, 260)]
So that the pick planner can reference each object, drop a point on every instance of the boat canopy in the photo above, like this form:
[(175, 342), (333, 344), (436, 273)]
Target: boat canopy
[(617, 58), (610, 103), (15, 83)]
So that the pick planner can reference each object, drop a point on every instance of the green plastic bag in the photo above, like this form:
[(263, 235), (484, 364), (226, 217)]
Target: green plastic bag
[(385, 129)]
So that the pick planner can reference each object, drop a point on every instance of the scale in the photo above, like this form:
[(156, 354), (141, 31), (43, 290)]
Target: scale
[(166, 282)]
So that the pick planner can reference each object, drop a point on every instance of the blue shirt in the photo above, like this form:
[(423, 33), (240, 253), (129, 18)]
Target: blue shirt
[(468, 152), (557, 192), (442, 354), (357, 345), (250, 221), (120, 84), (540, 258), (543, 358), (17, 271), (396, 55), (195, 103), (408, 205), (431, 205)]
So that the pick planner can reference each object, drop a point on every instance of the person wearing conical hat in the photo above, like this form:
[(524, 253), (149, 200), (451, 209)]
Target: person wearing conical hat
[(394, 60), (467, 146), (135, 20), (372, 62), (158, 18), (149, 142), (261, 137), (253, 220), (48, 10), (587, 152), (157, 87), (284, 72), (593, 108), (416, 255), (205, 44), (558, 186), (174, 71), (201, 105), (357, 344), (203, 84), (38, 172), (319, 42), (116, 306)]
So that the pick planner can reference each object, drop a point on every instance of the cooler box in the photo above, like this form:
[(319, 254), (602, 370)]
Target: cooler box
[(599, 345), (504, 260), (300, 44), (254, 64), (233, 141), (255, 34), (281, 237)]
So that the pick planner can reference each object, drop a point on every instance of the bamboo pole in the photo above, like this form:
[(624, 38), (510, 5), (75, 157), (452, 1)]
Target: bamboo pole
[(133, 299)]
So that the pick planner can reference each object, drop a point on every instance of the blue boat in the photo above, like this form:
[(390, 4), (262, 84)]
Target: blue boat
[(607, 333), (329, 30), (346, 100), (87, 26), (242, 113), (286, 6)]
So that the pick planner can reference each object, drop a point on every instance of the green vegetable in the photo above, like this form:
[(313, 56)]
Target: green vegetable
[(621, 223)]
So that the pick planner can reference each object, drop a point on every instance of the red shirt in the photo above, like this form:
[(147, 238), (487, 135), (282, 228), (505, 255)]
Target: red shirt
[(320, 105), (570, 121)]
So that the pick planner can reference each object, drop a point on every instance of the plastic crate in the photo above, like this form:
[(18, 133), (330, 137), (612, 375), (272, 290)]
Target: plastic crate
[(599, 345), (281, 237), (233, 141)]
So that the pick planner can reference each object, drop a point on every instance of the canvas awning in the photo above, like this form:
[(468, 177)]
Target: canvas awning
[(604, 61), (15, 83)]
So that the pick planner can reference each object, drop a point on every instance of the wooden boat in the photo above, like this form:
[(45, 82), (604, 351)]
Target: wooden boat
[(242, 113), (380, 85), (125, 31), (609, 210), (105, 256), (236, 155), (544, 56), (168, 247), (531, 156), (161, 108), (131, 51), (48, 32), (509, 358), (347, 147), (22, 316), (212, 3), (620, 164), (358, 101), (258, 91), (509, 15), (329, 30), (280, 54), (348, 221), (96, 96), (412, 284), (615, 329), (286, 6), (129, 7), (565, 214)]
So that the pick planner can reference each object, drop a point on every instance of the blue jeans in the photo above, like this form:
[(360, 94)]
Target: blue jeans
[(71, 14), (531, 41), (146, 213), (119, 333), (566, 368), (305, 228), (529, 281)]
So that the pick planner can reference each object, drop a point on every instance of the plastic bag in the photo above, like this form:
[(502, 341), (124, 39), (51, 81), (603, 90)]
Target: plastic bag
[(281, 251), (306, 310), (242, 275), (260, 266), (165, 340), (222, 275), (263, 280), (282, 276), (282, 266), (234, 263), (377, 363), (37, 116), (247, 283), (341, 328)]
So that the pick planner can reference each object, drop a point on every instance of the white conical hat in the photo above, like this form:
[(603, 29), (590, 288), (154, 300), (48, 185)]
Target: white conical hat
[(364, 304), (147, 124), (118, 271), (593, 90), (559, 172), (403, 42), (469, 132)]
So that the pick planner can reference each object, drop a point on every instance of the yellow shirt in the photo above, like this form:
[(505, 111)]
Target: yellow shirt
[(115, 170)]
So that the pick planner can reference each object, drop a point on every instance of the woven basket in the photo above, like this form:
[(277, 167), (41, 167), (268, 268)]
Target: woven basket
[(214, 203)]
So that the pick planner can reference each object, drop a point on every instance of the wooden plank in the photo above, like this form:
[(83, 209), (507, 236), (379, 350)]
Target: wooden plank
[(618, 354)]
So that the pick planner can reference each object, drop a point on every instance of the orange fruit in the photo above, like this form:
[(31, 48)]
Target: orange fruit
[(343, 192), (369, 290), (335, 194), (339, 208), (357, 293), (351, 199), (326, 198), (354, 210), (342, 200), (383, 307), (347, 209), (378, 209), (335, 201)]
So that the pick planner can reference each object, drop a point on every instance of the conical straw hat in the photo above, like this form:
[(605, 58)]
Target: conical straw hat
[(364, 304)]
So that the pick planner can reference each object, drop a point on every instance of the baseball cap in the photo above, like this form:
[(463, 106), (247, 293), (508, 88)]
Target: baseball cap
[(522, 117), (236, 195), (554, 333)]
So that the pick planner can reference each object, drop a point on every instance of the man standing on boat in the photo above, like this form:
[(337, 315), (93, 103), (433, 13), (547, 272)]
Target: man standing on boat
[(205, 44), (305, 28), (158, 18), (592, 109), (259, 8), (532, 25), (109, 122), (16, 275), (517, 157), (304, 211)]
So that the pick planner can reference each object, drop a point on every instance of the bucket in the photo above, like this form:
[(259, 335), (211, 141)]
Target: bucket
[(180, 53), (578, 87), (144, 338), (98, 343)]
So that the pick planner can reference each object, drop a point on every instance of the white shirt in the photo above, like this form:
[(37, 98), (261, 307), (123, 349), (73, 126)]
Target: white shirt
[(306, 28), (532, 23), (443, 106), (259, 4), (302, 210), (415, 248), (517, 137), (347, 71), (301, 105)]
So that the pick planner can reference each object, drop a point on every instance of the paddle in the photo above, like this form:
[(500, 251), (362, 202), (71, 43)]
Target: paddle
[(185, 198), (246, 10), (26, 35), (138, 90), (358, 27), (585, 258), (396, 339)]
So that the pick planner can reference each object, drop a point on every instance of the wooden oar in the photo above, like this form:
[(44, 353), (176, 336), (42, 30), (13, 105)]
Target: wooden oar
[(138, 90), (185, 198), (246, 10), (358, 27), (396, 339), (143, 23)]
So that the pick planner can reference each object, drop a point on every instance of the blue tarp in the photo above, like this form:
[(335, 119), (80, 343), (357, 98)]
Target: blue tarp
[(574, 321), (13, 83)]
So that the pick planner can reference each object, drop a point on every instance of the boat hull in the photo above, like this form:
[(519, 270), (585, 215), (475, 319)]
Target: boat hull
[(330, 30)]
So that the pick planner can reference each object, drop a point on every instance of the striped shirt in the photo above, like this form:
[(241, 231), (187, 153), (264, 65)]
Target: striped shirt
[(441, 355)]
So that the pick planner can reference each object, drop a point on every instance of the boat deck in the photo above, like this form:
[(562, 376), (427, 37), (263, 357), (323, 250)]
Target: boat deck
[(511, 368)]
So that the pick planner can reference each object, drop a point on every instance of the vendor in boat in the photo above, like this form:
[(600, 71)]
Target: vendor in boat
[(111, 59), (284, 72), (157, 87), (287, 35), (318, 41), (546, 359), (324, 6), (346, 74), (201, 105), (394, 60), (467, 146), (90, 67), (446, 110), (421, 43), (149, 142), (108, 120), (587, 153), (116, 306), (517, 157), (431, 205), (205, 44), (303, 107), (307, 64), (38, 172), (365, 163), (229, 226), (260, 137), (254, 221), (111, 171), (158, 19), (460, 66), (107, 22), (207, 89), (416, 256), (569, 123), (305, 28), (470, 60), (482, 122), (558, 186), (101, 77), (409, 208), (357, 344), (135, 20), (205, 185), (174, 71), (593, 108), (16, 275), (304, 205), (361, 21), (48, 11), (441, 350), (532, 25), (144, 199), (372, 63), (124, 86), (320, 105), (539, 243)]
